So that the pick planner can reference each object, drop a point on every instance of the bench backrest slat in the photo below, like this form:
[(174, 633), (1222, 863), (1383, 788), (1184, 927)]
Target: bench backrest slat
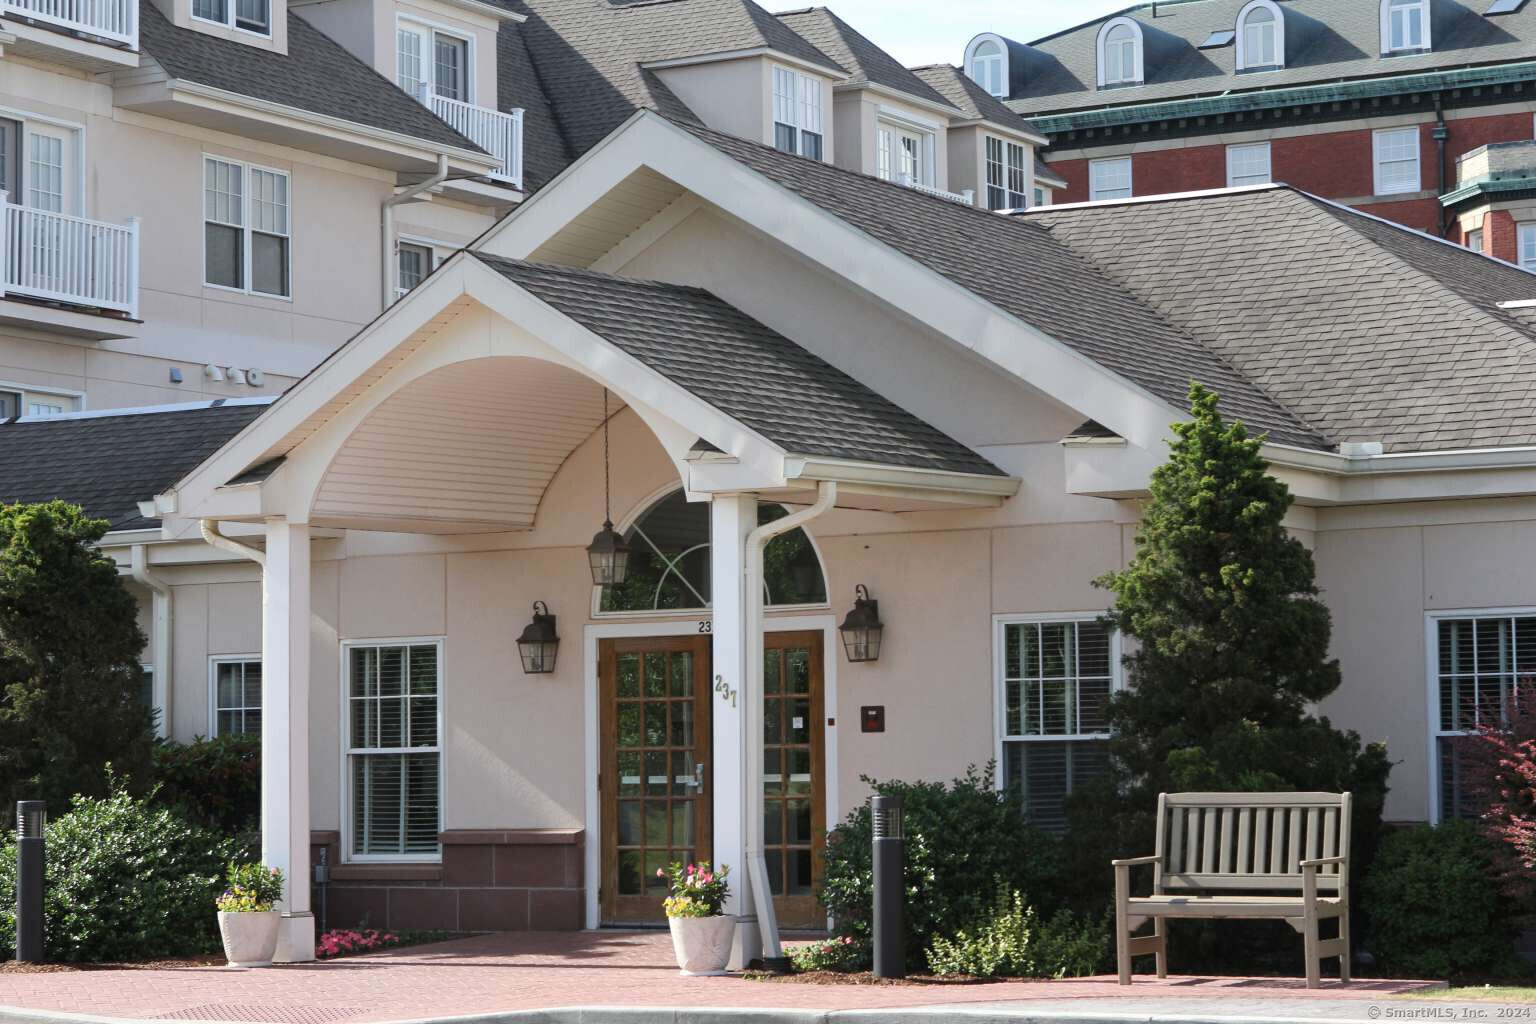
[(1249, 841)]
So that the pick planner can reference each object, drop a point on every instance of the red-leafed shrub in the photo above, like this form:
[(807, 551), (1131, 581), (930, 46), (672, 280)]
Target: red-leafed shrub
[(1499, 764)]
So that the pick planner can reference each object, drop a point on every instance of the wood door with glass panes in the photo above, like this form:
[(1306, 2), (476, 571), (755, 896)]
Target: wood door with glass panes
[(794, 776), (654, 780)]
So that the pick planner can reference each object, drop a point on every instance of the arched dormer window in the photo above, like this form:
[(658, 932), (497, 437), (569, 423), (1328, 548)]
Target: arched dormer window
[(1260, 36), (669, 561), (1404, 26), (986, 63), (1120, 53)]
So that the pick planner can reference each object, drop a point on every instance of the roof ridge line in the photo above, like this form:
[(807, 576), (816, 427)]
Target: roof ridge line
[(144, 410)]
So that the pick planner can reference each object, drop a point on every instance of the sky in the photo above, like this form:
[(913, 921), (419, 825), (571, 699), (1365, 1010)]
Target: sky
[(919, 32)]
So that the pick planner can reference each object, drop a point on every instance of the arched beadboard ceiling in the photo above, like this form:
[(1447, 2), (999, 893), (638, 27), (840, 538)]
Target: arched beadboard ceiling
[(468, 448)]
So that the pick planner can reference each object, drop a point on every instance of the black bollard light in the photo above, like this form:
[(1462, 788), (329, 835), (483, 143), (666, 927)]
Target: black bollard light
[(31, 816), (890, 857)]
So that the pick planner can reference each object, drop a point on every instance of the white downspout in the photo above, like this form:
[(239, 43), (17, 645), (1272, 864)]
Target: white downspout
[(757, 866), (159, 635), (387, 222), (211, 534)]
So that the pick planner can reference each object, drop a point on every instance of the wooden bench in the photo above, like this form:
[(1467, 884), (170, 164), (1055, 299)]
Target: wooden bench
[(1242, 855)]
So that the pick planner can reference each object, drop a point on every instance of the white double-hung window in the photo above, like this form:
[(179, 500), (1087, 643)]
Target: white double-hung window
[(1480, 662), (1006, 175), (1396, 152), (1404, 26), (234, 698), (1109, 179), (394, 749), (432, 62), (1248, 165), (246, 15), (246, 227), (797, 114), (1057, 674), (1527, 254)]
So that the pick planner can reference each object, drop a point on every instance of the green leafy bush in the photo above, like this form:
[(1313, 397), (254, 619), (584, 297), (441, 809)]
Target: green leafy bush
[(1012, 941), (126, 880), (1435, 906), (215, 782), (964, 841), (842, 953)]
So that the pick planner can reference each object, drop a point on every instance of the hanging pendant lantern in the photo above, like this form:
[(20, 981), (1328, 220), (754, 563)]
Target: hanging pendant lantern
[(608, 553), (539, 643), (862, 629)]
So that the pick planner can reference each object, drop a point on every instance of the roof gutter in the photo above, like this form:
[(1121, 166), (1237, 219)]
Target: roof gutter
[(211, 534), (159, 635), (1523, 457), (848, 471)]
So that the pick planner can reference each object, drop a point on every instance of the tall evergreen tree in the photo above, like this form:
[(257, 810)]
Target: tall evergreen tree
[(70, 679), (1229, 641)]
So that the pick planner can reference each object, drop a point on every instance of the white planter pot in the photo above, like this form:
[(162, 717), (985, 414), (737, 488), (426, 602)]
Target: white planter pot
[(702, 944), (250, 939)]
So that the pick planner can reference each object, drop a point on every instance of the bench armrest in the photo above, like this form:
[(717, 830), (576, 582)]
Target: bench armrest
[(1317, 862), (1130, 862)]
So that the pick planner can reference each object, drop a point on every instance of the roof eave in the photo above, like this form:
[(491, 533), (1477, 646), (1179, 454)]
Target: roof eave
[(715, 57)]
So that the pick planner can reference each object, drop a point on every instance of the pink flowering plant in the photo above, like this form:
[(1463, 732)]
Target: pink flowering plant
[(252, 889), (697, 890), (351, 941)]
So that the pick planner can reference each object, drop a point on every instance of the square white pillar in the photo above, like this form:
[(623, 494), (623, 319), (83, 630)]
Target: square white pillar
[(285, 640), (731, 518)]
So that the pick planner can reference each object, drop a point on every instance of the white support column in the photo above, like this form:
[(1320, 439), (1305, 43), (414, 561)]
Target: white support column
[(731, 518), (285, 638)]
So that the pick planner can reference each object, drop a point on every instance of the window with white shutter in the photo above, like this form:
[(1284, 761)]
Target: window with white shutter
[(1397, 161), (1481, 663), (394, 750), (1057, 676)]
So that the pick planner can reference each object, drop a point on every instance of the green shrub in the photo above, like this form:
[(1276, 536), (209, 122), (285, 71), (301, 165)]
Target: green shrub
[(1435, 906), (964, 841), (1011, 941), (215, 782), (126, 880), (1071, 946), (842, 953)]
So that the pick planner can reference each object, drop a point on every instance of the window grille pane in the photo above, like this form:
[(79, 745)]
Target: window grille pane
[(1397, 161), (997, 196), (237, 698), (451, 58), (1057, 679), (1248, 165), (223, 192), (45, 172), (410, 72), (415, 265), (1110, 179), (253, 15), (395, 762), (1482, 663), (269, 202), (213, 10)]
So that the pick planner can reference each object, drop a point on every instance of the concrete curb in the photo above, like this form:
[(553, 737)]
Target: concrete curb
[(940, 1014)]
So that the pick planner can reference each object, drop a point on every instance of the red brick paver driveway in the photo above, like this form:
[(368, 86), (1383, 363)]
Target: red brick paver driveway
[(524, 971)]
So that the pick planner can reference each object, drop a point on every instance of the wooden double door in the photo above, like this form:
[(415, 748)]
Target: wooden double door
[(657, 697)]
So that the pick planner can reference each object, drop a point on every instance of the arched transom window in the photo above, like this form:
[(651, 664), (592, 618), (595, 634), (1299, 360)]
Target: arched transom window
[(1260, 36), (1404, 26), (669, 561), (1120, 54), (988, 66)]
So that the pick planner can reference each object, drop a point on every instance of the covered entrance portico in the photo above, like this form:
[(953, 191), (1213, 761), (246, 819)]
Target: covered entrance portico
[(465, 425)]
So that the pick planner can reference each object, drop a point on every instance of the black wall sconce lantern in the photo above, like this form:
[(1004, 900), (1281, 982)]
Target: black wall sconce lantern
[(607, 554), (538, 645), (862, 628)]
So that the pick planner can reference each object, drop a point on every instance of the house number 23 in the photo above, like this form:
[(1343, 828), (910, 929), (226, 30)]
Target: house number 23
[(725, 692)]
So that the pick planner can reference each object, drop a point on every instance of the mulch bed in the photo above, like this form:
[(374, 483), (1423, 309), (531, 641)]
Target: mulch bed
[(868, 978), (205, 960)]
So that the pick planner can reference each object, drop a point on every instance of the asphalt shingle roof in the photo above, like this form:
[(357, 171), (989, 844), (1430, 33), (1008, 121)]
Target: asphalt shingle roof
[(1326, 40), (589, 54), (866, 62), (758, 377), (518, 84), (1024, 269), (108, 464), (1366, 330), (316, 74), (959, 90)]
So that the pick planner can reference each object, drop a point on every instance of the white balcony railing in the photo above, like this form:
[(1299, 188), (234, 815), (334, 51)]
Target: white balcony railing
[(500, 135), (966, 198), (60, 258), (117, 20)]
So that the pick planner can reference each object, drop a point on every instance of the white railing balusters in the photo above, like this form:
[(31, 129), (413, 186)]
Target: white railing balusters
[(110, 19), (70, 259), (500, 135)]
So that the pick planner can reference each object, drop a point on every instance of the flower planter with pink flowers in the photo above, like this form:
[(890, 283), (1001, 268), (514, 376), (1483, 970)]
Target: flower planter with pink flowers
[(701, 930)]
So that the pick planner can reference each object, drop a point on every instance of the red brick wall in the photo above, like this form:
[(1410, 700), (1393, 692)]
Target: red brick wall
[(1501, 238), (1336, 165)]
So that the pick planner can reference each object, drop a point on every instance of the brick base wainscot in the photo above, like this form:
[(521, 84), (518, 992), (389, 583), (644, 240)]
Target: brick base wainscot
[(489, 880)]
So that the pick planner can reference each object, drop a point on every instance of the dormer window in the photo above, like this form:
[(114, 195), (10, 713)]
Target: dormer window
[(797, 113), (246, 15), (986, 62), (1404, 26), (1120, 53), (430, 62), (1260, 37)]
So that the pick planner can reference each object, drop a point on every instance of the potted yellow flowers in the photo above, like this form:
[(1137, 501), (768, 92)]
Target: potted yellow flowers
[(248, 915), (701, 930)]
